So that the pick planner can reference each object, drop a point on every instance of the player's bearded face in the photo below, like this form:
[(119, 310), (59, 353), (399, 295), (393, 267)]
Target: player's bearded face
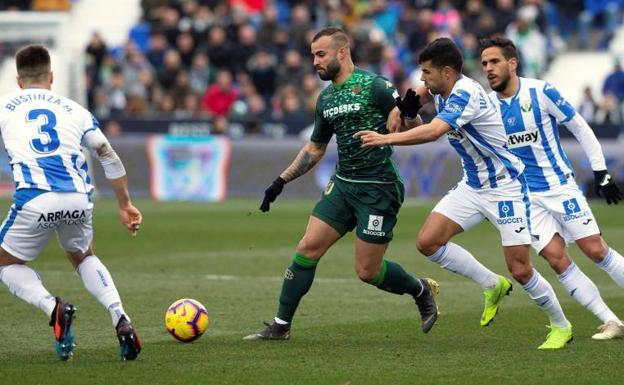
[(496, 68), (331, 70)]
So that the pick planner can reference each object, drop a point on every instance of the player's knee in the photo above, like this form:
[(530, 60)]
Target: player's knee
[(596, 250), (426, 245), (366, 273), (521, 273), (309, 249), (556, 257)]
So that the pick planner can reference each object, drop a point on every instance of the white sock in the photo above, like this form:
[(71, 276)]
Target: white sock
[(613, 264), (25, 283), (544, 296), (455, 258), (98, 281), (585, 292), (280, 321)]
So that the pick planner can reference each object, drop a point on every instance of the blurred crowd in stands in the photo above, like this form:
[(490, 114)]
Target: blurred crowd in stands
[(250, 59)]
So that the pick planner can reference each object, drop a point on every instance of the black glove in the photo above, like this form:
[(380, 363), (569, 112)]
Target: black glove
[(409, 105), (271, 193), (605, 186)]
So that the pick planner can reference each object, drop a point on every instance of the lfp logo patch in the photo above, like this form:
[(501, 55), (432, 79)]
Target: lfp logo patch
[(571, 206), (505, 209)]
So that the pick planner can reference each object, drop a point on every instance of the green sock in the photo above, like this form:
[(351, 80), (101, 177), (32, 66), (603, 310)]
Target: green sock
[(393, 278), (297, 281)]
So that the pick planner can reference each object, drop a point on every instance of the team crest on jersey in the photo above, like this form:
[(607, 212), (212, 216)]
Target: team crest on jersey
[(356, 89), (389, 85), (525, 105)]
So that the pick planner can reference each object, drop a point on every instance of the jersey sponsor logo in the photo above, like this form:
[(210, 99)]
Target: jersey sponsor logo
[(523, 138), (62, 217), (341, 109), (375, 226), (573, 210), (455, 135), (506, 214)]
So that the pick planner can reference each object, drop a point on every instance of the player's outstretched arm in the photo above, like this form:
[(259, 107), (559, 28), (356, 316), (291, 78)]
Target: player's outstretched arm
[(130, 216), (420, 134), (115, 172), (309, 155)]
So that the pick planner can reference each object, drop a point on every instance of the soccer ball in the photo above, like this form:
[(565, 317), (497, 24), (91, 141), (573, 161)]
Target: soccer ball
[(186, 319)]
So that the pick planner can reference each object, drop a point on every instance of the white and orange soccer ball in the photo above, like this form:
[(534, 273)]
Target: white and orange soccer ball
[(186, 319)]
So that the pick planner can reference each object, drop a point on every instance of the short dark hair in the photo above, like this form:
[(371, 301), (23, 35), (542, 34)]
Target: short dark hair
[(33, 62), (442, 52), (338, 36), (506, 45)]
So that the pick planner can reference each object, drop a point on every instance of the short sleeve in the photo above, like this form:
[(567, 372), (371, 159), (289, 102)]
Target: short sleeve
[(383, 94), (322, 128), (457, 111), (557, 105)]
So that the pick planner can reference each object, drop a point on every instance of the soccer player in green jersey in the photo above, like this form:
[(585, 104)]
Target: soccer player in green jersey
[(365, 193)]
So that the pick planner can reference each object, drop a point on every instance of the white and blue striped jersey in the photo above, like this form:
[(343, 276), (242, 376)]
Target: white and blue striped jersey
[(531, 118), (42, 134), (478, 135)]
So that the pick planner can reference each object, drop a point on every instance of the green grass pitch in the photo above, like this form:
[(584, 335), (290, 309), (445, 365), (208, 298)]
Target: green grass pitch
[(230, 257)]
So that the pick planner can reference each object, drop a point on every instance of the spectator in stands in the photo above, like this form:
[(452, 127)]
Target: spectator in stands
[(181, 88), (245, 48), (293, 69), (185, 45), (613, 94), (503, 14), (134, 68), (445, 16), (201, 73), (219, 50), (614, 83), (171, 66), (300, 28), (588, 107), (219, 96), (268, 25), (262, 68), (157, 46), (529, 40), (311, 91), (115, 93)]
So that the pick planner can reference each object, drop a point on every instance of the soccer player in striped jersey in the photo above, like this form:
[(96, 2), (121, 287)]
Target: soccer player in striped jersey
[(43, 133), (531, 111), (493, 186)]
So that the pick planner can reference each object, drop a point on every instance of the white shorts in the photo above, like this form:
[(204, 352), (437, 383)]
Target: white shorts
[(562, 210), (35, 216), (507, 207)]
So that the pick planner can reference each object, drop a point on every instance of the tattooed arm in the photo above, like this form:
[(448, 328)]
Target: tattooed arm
[(309, 155)]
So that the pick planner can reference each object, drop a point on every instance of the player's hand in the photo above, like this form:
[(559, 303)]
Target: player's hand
[(605, 186), (131, 218), (409, 105), (271, 193), (372, 138)]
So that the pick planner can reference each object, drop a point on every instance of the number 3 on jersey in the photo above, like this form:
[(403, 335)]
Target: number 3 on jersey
[(47, 131)]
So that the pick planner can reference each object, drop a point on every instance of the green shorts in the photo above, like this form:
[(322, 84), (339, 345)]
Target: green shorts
[(372, 207)]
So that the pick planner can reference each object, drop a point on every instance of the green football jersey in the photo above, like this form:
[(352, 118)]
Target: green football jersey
[(360, 103)]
